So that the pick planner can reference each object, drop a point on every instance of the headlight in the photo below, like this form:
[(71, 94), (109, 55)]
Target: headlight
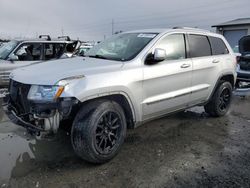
[(45, 93)]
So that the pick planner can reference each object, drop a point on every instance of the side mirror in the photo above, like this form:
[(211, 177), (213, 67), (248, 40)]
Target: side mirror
[(159, 55), (13, 57)]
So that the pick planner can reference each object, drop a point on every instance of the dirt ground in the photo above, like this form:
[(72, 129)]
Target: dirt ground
[(188, 149)]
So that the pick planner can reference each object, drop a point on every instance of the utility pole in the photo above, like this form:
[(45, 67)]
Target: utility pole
[(62, 31), (113, 26)]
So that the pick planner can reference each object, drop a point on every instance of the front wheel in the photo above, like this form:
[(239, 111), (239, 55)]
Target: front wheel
[(97, 135), (220, 101)]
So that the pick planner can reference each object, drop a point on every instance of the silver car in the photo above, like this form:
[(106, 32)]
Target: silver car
[(121, 83), (20, 53)]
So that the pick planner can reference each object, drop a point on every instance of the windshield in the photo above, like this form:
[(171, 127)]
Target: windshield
[(7, 48), (123, 47)]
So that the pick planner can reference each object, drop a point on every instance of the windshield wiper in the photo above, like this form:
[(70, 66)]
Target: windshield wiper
[(97, 56)]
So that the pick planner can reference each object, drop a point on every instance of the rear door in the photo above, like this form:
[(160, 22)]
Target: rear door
[(206, 67), (53, 50)]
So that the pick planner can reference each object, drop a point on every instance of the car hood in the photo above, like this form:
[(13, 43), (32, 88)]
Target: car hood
[(244, 45), (50, 72)]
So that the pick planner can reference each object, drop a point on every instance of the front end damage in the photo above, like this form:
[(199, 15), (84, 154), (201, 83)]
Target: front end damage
[(36, 117)]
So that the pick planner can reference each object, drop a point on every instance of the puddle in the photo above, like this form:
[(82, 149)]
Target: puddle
[(14, 150), (20, 153)]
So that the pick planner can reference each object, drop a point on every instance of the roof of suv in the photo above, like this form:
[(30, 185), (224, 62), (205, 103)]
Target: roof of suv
[(177, 29), (47, 38), (42, 40)]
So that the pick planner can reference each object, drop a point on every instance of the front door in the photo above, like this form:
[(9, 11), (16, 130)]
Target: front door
[(26, 54), (166, 84)]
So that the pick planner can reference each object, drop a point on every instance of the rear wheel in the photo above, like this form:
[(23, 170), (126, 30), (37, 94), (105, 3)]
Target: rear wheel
[(97, 135), (220, 101)]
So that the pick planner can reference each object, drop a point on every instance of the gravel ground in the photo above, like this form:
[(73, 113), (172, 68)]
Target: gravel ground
[(188, 149)]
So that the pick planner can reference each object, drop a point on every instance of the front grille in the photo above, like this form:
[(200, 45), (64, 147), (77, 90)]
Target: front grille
[(19, 96)]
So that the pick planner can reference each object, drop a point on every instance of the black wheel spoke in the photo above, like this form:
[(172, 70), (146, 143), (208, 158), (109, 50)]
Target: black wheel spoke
[(114, 121), (112, 134), (224, 99), (110, 117), (101, 142), (107, 132), (105, 144), (99, 134), (115, 127)]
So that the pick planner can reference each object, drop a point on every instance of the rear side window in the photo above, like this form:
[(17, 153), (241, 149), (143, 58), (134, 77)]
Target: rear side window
[(218, 46), (53, 50), (199, 46)]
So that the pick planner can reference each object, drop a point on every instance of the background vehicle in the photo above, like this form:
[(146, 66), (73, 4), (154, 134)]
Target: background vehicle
[(243, 67), (19, 53), (123, 82), (84, 48)]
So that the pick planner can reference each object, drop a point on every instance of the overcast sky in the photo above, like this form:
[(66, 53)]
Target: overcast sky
[(92, 19)]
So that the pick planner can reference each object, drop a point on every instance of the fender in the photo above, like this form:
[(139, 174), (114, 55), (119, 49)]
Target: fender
[(218, 82), (106, 94)]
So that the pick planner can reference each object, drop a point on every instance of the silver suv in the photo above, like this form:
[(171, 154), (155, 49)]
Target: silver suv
[(121, 83), (19, 53)]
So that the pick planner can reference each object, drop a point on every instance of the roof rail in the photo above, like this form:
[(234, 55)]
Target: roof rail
[(67, 38), (191, 28), (45, 36)]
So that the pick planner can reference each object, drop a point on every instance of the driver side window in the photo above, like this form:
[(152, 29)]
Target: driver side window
[(29, 52), (174, 45)]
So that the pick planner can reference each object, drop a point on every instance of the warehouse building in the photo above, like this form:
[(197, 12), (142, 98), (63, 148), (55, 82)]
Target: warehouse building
[(234, 30)]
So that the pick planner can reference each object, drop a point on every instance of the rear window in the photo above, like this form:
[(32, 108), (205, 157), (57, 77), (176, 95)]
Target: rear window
[(199, 46), (218, 46)]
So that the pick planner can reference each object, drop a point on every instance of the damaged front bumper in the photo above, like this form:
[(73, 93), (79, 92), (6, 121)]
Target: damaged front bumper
[(14, 118), (42, 117)]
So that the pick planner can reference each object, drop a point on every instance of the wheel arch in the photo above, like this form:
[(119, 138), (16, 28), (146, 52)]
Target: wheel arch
[(122, 99), (226, 77)]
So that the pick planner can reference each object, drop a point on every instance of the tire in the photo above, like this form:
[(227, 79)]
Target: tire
[(98, 131), (220, 102)]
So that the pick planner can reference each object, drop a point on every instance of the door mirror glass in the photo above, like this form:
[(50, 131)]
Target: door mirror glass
[(160, 54)]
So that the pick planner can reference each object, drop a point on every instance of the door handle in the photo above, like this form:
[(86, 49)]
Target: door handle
[(216, 61), (185, 65)]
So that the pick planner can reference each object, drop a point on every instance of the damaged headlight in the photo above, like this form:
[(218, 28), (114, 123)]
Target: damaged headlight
[(45, 93)]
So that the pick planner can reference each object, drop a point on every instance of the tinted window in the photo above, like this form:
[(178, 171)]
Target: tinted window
[(53, 50), (174, 46), (199, 46), (218, 46), (29, 52)]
